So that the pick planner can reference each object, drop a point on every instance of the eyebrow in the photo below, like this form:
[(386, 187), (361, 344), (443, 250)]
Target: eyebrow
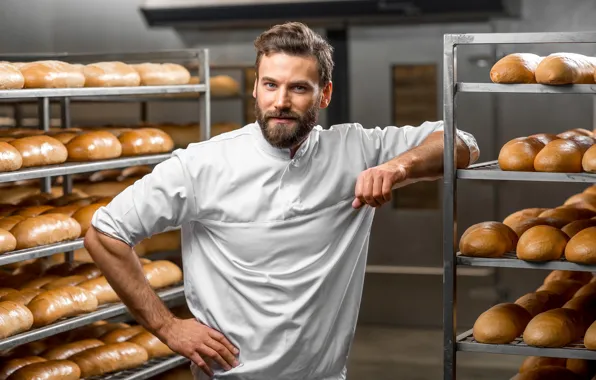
[(296, 83)]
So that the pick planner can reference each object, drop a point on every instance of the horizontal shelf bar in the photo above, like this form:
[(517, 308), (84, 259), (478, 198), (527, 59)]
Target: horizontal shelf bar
[(526, 88), (104, 312), (491, 171), (147, 370), (100, 91), (431, 271), (466, 343), (82, 167), (510, 260), (42, 251), (522, 38)]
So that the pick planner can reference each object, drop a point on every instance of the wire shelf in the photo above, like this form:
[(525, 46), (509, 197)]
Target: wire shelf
[(526, 88), (42, 251), (100, 91), (170, 294), (510, 260), (466, 343), (491, 171), (147, 370)]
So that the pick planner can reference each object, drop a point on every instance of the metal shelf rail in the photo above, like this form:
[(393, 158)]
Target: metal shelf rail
[(149, 369), (170, 296), (490, 171)]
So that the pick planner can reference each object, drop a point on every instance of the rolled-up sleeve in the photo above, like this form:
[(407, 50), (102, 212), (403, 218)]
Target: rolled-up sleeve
[(155, 203), (381, 145)]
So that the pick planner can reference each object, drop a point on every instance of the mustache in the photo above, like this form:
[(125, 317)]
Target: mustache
[(282, 115)]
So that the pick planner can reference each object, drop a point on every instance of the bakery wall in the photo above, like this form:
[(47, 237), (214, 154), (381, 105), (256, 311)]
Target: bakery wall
[(407, 239)]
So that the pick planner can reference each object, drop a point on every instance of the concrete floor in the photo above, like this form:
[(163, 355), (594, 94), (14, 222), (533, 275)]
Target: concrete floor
[(386, 353)]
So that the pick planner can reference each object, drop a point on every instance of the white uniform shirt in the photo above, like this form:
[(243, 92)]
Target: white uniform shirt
[(273, 253)]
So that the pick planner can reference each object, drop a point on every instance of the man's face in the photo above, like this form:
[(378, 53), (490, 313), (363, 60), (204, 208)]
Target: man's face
[(288, 98)]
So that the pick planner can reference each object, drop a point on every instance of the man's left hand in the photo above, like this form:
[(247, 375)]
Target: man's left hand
[(374, 185)]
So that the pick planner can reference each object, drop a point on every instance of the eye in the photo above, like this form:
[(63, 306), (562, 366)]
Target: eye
[(300, 88), (269, 85)]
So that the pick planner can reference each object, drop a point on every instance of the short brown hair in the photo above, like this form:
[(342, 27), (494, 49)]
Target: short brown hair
[(295, 38)]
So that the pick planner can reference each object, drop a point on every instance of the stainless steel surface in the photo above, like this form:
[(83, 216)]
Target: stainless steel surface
[(82, 167), (100, 91), (467, 343), (205, 101), (510, 260), (106, 311), (37, 252), (522, 38), (526, 88), (449, 212), (149, 369), (491, 171)]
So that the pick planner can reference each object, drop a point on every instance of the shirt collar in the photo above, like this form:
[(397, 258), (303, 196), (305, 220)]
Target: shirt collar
[(279, 152)]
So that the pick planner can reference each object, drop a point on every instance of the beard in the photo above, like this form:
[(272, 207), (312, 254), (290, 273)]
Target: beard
[(285, 136)]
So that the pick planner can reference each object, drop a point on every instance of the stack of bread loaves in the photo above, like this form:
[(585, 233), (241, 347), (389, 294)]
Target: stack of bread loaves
[(554, 69), (58, 74), (572, 151), (545, 368), (539, 234)]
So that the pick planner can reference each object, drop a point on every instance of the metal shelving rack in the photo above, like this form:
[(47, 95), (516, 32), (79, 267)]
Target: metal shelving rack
[(171, 296), (490, 171)]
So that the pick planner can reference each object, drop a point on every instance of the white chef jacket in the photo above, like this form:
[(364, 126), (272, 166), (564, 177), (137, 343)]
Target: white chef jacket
[(273, 253)]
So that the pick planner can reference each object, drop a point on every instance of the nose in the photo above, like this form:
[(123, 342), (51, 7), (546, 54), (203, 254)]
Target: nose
[(282, 100)]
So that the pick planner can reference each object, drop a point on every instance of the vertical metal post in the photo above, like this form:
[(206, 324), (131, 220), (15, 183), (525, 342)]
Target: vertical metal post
[(18, 115), (144, 112), (65, 123), (205, 99), (339, 109), (449, 210), (43, 115)]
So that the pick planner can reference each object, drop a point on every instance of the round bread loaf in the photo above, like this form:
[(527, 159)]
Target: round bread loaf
[(538, 302), (501, 324), (542, 243), (582, 247), (545, 138), (13, 365), (560, 156), (111, 74), (568, 214), (48, 370), (573, 228), (521, 215), (564, 288), (584, 142), (487, 239), (156, 74), (223, 85), (575, 132), (10, 77), (534, 362), (553, 328), (51, 74), (522, 227), (40, 150), (563, 275), (91, 146), (519, 154), (547, 373), (584, 197), (145, 141), (565, 68), (515, 68), (10, 158)]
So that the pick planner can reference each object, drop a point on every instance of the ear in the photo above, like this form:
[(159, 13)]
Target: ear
[(326, 97), (254, 89)]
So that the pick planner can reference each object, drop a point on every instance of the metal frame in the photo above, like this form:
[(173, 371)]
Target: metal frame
[(490, 171), (147, 370)]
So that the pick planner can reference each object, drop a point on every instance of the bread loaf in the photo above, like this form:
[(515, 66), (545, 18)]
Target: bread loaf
[(64, 281), (101, 289), (161, 242), (525, 225), (521, 215), (156, 74), (51, 74), (65, 210), (52, 305), (22, 297), (582, 247), (10, 77), (547, 373), (110, 358), (487, 239), (94, 330), (542, 243), (10, 158), (564, 288), (554, 328), (84, 215), (65, 137), (565, 68), (13, 365), (223, 85), (590, 337), (45, 229), (110, 74), (581, 367), (64, 351), (33, 211), (145, 141), (39, 282), (539, 302), (501, 324), (545, 138), (40, 150), (14, 318), (7, 241), (573, 228), (534, 362), (93, 146), (155, 347), (567, 214), (7, 291), (585, 197), (565, 275), (584, 142), (519, 154), (48, 370), (589, 160), (586, 290), (87, 270), (162, 273), (560, 156), (121, 335)]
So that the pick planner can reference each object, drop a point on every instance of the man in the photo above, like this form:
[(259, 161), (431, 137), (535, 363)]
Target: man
[(275, 222)]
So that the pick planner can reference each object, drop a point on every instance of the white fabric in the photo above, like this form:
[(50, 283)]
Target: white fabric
[(273, 253)]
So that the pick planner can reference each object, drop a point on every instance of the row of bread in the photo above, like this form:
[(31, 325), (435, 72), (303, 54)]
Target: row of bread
[(555, 69), (101, 349), (539, 234), (546, 368), (562, 311), (572, 151), (41, 150), (49, 298), (59, 74)]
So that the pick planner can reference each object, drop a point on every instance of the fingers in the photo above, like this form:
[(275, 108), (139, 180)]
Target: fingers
[(222, 339), (386, 190), (213, 354), (373, 188), (224, 353), (196, 358), (369, 182)]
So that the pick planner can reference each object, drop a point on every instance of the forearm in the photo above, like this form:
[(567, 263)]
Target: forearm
[(123, 270)]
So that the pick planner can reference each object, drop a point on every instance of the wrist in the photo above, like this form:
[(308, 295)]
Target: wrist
[(165, 327)]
